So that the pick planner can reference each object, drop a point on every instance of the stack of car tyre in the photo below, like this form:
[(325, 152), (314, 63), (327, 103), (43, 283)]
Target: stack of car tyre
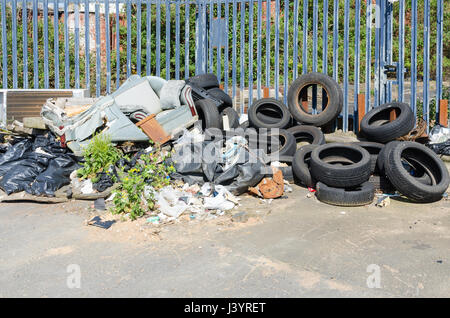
[(272, 113), (348, 174), (341, 172), (344, 174), (296, 126)]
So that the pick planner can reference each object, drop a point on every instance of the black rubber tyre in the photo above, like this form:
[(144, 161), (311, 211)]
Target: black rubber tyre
[(301, 165), (376, 125), (340, 165), (273, 106), (382, 156), (357, 196), (310, 134), (208, 114), (374, 149), (287, 145), (269, 115), (205, 81), (382, 183), (334, 94), (288, 175), (268, 119), (407, 184), (286, 159), (418, 171), (219, 94), (233, 117)]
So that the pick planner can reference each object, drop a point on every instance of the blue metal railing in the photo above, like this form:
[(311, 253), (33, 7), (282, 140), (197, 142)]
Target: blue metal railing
[(249, 44)]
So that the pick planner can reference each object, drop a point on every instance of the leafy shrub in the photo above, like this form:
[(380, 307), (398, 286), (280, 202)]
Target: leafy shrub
[(98, 155), (131, 197)]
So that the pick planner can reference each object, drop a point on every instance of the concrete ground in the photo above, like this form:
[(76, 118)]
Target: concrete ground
[(292, 247)]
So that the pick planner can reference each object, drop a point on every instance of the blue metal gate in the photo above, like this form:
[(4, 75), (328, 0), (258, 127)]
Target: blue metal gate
[(256, 47)]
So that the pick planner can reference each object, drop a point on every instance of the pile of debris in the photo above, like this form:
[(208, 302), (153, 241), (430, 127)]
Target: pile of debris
[(50, 159), (189, 151)]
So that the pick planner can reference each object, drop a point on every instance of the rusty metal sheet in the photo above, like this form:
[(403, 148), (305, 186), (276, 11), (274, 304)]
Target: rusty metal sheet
[(153, 130), (270, 188)]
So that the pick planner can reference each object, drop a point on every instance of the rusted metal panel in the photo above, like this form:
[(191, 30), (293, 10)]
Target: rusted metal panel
[(153, 130), (443, 112), (361, 108)]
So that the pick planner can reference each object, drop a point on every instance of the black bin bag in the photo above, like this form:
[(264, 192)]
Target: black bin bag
[(22, 174), (54, 177)]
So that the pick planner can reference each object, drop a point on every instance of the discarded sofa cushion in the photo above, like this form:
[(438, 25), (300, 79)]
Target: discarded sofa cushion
[(170, 94)]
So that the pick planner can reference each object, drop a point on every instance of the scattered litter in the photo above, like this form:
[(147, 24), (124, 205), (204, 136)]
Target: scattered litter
[(97, 221), (439, 134), (111, 197), (153, 219), (220, 201), (287, 188), (169, 203), (383, 201), (86, 186), (266, 201), (234, 166)]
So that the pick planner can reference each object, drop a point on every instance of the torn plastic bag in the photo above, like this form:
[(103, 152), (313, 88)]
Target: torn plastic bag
[(3, 148), (24, 148), (439, 135), (4, 168), (169, 203), (25, 166), (104, 182), (54, 177), (239, 177), (441, 148), (220, 201), (49, 144), (188, 163), (203, 162), (16, 151)]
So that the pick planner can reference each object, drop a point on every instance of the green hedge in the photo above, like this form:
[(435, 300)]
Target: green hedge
[(240, 68)]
